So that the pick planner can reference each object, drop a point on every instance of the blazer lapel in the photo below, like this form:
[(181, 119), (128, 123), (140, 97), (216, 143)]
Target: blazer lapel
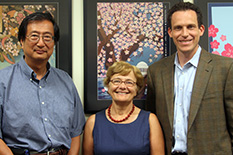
[(168, 83), (202, 76)]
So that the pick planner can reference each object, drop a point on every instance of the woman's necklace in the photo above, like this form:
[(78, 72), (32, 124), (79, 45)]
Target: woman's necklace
[(122, 120)]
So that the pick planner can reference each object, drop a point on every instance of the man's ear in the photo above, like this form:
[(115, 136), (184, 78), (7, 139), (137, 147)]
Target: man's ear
[(169, 32), (202, 30), (21, 43)]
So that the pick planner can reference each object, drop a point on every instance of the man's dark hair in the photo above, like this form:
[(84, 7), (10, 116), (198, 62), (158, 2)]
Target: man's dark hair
[(184, 6), (37, 16)]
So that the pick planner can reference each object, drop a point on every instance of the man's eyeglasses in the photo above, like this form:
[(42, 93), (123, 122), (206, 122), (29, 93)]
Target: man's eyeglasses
[(128, 83), (47, 38)]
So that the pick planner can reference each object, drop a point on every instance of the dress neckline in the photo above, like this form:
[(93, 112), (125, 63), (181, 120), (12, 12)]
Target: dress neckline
[(122, 123)]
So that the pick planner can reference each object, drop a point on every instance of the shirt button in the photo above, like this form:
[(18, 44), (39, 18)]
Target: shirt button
[(180, 104), (40, 87), (49, 136), (42, 102), (46, 119), (178, 136)]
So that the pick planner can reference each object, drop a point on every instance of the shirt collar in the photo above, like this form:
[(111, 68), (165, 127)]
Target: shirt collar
[(194, 60), (28, 71)]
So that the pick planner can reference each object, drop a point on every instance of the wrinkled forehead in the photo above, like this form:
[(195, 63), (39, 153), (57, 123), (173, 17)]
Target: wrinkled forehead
[(41, 27)]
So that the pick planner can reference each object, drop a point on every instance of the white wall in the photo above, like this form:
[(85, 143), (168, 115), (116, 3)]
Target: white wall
[(78, 46)]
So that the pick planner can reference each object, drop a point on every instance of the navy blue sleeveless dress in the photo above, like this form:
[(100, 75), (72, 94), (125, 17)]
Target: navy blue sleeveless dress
[(121, 139)]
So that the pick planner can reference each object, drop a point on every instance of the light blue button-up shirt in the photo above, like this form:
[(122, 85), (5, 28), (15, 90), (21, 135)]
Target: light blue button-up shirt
[(38, 114), (183, 85)]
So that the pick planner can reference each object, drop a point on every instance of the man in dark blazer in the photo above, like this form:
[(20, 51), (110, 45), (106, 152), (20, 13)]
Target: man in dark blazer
[(191, 92)]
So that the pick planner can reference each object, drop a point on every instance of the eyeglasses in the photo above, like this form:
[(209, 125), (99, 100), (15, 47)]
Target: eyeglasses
[(128, 83), (47, 38)]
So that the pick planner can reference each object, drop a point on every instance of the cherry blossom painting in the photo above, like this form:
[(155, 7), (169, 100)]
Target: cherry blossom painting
[(134, 32), (220, 32), (11, 17)]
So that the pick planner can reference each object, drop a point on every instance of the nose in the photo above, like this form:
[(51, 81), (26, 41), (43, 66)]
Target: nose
[(41, 41), (122, 85), (184, 32)]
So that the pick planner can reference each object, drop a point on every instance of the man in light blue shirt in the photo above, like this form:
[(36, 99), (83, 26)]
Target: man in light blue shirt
[(191, 90), (40, 109)]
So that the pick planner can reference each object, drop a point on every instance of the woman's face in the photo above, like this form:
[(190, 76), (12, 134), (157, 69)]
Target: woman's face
[(123, 88)]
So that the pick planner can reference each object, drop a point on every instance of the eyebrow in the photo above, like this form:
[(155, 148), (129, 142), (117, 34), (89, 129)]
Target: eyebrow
[(122, 79), (178, 26)]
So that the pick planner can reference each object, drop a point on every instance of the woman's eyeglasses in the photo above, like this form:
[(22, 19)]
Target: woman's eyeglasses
[(128, 83)]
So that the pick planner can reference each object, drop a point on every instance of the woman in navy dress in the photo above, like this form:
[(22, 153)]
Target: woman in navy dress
[(123, 128)]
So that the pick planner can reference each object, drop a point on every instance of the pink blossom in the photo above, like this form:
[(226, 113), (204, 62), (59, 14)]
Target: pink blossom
[(228, 51), (216, 52), (223, 38), (20, 16), (109, 59), (213, 31), (135, 53), (151, 46), (140, 49), (214, 44)]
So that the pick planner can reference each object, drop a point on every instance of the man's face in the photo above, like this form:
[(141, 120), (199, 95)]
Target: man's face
[(38, 51), (185, 31)]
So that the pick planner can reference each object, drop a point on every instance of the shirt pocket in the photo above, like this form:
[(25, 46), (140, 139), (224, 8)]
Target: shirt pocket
[(62, 112)]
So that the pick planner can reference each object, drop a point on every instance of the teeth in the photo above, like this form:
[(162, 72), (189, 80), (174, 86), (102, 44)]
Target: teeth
[(122, 93), (185, 41)]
